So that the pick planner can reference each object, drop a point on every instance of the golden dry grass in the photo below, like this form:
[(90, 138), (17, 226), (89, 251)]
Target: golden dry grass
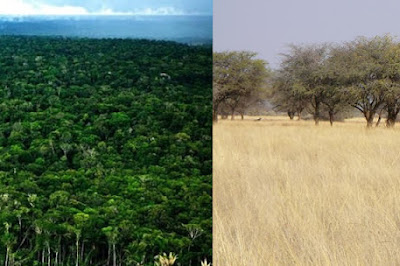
[(289, 193)]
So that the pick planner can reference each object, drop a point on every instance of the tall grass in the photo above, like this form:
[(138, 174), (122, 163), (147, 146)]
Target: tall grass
[(289, 193)]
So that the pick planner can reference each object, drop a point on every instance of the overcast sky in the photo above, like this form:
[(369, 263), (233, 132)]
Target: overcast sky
[(116, 7), (267, 26)]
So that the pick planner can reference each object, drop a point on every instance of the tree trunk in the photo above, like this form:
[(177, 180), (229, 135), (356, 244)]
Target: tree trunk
[(108, 254), (391, 116), (6, 261), (299, 112), (242, 116), (390, 121), (215, 115), (114, 256), (370, 118), (331, 117), (49, 255), (316, 112), (62, 254), (215, 112), (379, 120), (291, 115), (233, 114), (82, 250), (379, 117), (77, 251)]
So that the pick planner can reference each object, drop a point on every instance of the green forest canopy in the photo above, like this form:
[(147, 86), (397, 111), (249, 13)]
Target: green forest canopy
[(105, 151)]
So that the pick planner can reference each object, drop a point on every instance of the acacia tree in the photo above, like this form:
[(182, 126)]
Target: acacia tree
[(288, 96), (392, 77), (246, 103), (362, 67), (363, 74), (237, 77), (333, 98), (303, 67), (334, 101)]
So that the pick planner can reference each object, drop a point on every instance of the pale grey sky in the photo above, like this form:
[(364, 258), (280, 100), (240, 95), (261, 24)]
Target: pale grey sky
[(267, 26)]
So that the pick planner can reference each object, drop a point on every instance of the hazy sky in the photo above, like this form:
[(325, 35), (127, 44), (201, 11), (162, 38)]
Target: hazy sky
[(267, 26), (85, 7)]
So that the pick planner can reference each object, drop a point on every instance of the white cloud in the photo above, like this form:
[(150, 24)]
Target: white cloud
[(25, 8), (141, 12), (62, 10), (160, 11), (21, 7)]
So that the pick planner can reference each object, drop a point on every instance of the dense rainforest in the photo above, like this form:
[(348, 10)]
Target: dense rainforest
[(105, 151)]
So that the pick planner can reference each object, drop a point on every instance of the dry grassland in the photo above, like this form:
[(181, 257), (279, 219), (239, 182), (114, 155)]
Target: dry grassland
[(289, 193)]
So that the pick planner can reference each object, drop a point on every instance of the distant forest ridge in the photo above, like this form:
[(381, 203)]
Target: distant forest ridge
[(193, 30)]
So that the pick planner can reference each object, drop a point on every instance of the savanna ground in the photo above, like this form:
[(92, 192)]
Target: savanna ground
[(289, 193)]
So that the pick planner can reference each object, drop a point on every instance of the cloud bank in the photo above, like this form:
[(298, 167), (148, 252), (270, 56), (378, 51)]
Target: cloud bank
[(29, 8)]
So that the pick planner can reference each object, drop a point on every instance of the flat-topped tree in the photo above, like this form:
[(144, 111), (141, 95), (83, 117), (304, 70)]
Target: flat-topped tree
[(302, 65), (237, 76), (288, 96), (368, 69)]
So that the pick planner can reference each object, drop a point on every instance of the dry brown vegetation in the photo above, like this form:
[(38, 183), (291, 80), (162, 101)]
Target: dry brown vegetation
[(289, 193)]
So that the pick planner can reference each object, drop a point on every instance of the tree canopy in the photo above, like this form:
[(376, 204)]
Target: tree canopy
[(238, 76), (105, 151), (363, 74)]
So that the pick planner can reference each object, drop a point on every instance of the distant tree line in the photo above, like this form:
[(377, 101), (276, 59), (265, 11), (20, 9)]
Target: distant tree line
[(325, 79)]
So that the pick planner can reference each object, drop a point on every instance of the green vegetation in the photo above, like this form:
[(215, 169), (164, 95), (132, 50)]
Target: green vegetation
[(105, 151), (238, 81), (323, 80), (363, 74)]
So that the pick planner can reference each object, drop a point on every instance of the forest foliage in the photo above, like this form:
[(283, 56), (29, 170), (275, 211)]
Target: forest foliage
[(105, 151)]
